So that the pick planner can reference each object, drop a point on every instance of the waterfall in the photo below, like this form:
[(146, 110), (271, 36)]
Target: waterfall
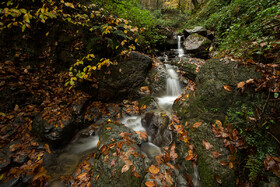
[(180, 49), (173, 89), (172, 82)]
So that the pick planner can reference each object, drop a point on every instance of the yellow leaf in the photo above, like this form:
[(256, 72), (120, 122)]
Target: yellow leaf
[(69, 5), (47, 33)]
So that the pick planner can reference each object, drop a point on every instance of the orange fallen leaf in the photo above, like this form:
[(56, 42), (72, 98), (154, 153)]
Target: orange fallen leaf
[(197, 124), (143, 135), (153, 169), (81, 176), (137, 175), (150, 184), (227, 88), (240, 84), (47, 147)]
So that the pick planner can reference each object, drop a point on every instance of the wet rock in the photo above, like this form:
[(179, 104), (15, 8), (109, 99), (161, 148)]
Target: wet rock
[(156, 125), (58, 133), (165, 177), (197, 45), (208, 101), (198, 30), (124, 78), (156, 80), (119, 162), (208, 166)]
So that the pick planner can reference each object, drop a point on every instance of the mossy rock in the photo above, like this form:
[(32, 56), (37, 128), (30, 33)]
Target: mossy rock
[(208, 166), (108, 167), (211, 100)]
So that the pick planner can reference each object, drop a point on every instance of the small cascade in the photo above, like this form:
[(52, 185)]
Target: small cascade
[(180, 49), (172, 82), (173, 89), (133, 122)]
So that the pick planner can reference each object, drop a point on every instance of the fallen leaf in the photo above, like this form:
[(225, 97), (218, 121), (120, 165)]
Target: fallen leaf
[(207, 145), (137, 175), (153, 169), (150, 184), (197, 124), (81, 176), (231, 165), (113, 162), (227, 88), (168, 178), (218, 179), (250, 81), (125, 168), (224, 163), (189, 179), (47, 147), (240, 84), (216, 154)]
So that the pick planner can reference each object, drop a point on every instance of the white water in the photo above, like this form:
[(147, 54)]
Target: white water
[(180, 49), (173, 89), (133, 122)]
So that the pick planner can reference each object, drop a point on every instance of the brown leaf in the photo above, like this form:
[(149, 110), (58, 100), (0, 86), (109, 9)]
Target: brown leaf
[(224, 163), (153, 169), (240, 84), (137, 175), (277, 159), (216, 154), (227, 88), (150, 184), (189, 179), (120, 144), (168, 178), (197, 124), (113, 162), (269, 163), (218, 179), (125, 168), (81, 176), (207, 145)]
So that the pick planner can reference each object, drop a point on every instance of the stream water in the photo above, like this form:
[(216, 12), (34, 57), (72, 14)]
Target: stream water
[(74, 152)]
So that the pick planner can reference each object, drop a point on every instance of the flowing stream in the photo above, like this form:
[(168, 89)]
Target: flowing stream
[(74, 152)]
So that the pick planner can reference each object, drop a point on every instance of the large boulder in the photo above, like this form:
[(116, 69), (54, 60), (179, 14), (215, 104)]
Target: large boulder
[(124, 78), (208, 101), (198, 30), (156, 80), (57, 127), (209, 167), (119, 162), (197, 45)]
